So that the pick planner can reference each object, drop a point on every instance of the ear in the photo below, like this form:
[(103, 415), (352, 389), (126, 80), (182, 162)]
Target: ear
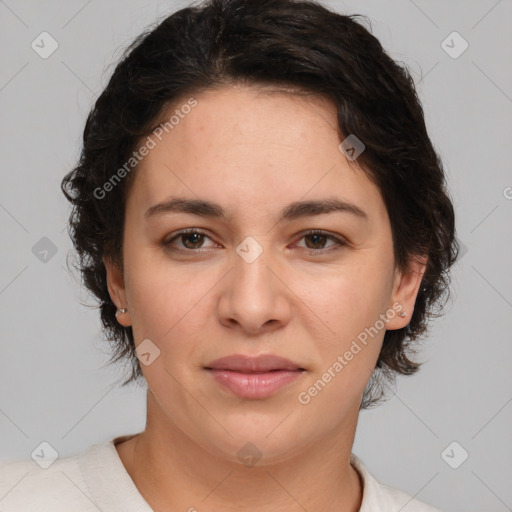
[(405, 290), (116, 290)]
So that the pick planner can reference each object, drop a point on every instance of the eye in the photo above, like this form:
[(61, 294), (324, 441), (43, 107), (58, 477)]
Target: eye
[(318, 240), (191, 240)]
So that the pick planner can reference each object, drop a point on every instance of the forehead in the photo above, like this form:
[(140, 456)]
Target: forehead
[(242, 145)]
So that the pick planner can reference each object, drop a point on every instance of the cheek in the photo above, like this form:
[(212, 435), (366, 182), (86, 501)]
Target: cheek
[(173, 308), (166, 299), (349, 301), (349, 298), (347, 357), (356, 337)]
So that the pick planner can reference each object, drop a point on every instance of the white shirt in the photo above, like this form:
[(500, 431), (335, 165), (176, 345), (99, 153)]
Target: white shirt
[(96, 480)]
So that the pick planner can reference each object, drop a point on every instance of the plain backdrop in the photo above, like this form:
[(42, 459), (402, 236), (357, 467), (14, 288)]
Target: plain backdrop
[(54, 382)]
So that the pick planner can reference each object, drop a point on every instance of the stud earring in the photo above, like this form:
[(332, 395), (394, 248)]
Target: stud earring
[(402, 314), (121, 311)]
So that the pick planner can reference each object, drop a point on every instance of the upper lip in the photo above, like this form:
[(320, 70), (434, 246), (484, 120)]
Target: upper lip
[(247, 364)]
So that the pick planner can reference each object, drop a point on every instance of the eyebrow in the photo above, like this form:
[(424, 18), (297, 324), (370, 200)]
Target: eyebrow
[(295, 210)]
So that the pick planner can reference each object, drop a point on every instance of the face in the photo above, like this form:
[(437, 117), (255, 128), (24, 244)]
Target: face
[(257, 281)]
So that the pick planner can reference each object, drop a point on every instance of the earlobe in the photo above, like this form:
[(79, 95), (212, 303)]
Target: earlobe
[(117, 291), (405, 290)]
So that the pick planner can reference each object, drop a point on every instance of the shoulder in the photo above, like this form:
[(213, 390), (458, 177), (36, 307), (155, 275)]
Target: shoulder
[(94, 479), (402, 501), (27, 486), (378, 497)]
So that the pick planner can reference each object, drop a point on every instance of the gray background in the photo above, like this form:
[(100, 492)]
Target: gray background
[(54, 386)]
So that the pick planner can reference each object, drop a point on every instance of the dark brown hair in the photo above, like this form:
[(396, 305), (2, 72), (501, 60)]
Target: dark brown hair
[(289, 44)]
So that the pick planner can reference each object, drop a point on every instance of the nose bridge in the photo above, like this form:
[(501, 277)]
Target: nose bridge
[(253, 256), (254, 291)]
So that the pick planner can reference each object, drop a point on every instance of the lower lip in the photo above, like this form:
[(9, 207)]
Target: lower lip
[(255, 385)]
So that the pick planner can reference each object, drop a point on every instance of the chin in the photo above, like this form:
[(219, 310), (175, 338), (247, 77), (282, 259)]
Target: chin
[(257, 439)]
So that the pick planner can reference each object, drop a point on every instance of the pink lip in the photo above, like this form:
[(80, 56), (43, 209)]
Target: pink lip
[(254, 377), (246, 364)]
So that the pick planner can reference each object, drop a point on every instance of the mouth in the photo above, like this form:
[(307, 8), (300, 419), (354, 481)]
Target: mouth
[(254, 377)]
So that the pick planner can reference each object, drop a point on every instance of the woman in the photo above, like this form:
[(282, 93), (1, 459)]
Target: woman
[(264, 220)]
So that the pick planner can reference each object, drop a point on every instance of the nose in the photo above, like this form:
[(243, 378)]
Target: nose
[(254, 299)]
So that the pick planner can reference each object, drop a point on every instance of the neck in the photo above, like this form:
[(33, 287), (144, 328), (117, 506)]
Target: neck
[(172, 472)]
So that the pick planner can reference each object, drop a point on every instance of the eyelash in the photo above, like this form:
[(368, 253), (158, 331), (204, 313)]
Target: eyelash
[(339, 242)]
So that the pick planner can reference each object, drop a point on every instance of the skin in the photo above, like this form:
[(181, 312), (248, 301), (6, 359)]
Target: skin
[(254, 152)]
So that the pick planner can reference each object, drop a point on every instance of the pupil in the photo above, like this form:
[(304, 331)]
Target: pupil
[(315, 237), (197, 237)]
